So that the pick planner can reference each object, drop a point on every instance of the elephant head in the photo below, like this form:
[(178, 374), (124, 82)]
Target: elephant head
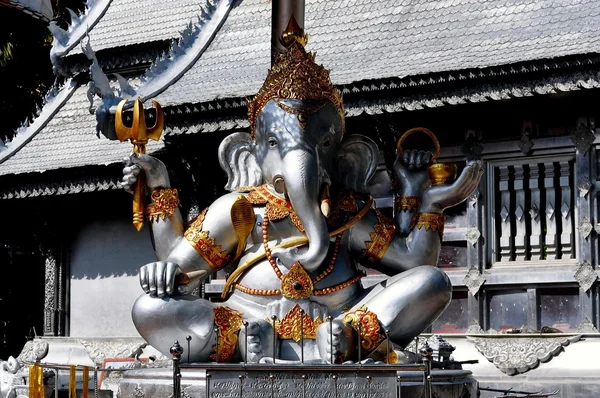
[(299, 152)]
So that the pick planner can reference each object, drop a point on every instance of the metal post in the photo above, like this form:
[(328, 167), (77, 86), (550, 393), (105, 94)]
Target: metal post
[(189, 339), (399, 387), (96, 382), (359, 342), (330, 319), (369, 380), (301, 336), (56, 383), (427, 353), (272, 380), (217, 345), (245, 342), (303, 386), (208, 376), (241, 377), (274, 319), (335, 387), (387, 345), (176, 351)]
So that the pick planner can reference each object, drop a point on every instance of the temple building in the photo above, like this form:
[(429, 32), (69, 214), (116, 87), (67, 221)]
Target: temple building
[(513, 83)]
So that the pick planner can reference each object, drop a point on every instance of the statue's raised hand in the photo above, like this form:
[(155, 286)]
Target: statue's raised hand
[(159, 278), (437, 198), (410, 171), (154, 170)]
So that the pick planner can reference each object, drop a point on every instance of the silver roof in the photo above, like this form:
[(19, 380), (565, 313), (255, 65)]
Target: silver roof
[(374, 39), (133, 22), (357, 40), (69, 140)]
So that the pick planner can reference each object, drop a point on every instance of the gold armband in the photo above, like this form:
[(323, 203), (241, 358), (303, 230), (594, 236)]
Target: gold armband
[(212, 253), (381, 237), (164, 203), (433, 221), (407, 203), (228, 323)]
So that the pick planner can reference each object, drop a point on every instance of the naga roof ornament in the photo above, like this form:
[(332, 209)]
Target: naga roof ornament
[(295, 75)]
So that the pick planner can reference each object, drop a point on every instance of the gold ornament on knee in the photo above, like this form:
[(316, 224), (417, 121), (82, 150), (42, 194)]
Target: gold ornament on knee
[(228, 323), (367, 325)]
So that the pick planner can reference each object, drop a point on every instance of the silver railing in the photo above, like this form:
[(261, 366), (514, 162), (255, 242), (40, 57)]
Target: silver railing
[(300, 370)]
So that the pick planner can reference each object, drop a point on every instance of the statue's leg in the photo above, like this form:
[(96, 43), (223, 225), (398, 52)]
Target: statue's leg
[(163, 321), (409, 302)]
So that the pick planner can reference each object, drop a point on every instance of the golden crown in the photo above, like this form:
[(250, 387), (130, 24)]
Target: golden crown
[(295, 75)]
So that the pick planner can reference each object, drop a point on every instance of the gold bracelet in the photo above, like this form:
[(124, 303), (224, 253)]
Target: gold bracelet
[(407, 203), (207, 247), (381, 237), (433, 221), (164, 203)]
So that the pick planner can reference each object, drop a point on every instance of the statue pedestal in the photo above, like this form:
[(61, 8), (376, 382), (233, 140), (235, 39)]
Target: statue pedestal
[(298, 381)]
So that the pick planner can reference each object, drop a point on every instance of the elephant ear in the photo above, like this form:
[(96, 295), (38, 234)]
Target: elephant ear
[(357, 161), (238, 160)]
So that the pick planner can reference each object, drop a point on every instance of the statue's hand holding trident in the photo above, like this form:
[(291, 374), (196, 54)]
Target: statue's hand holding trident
[(138, 134)]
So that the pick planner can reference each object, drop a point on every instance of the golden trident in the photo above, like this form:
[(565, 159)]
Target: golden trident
[(139, 134)]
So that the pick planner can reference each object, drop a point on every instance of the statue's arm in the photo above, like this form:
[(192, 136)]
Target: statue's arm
[(378, 243), (210, 242)]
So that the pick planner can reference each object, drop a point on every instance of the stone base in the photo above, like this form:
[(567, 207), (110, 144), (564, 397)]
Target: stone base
[(255, 381)]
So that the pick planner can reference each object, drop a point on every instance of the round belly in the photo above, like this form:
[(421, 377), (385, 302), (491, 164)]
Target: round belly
[(261, 289)]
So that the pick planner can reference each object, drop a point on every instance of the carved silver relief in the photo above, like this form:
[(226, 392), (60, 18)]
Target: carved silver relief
[(583, 137), (473, 235), (585, 228), (525, 144), (474, 197), (473, 280), (585, 276), (98, 350), (33, 350), (138, 392), (474, 328), (584, 186), (520, 354), (587, 326), (50, 294)]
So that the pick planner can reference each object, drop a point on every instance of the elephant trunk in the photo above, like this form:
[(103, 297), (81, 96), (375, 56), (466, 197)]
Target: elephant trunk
[(303, 188)]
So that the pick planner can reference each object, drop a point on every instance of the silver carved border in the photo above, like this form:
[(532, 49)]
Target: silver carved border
[(517, 355)]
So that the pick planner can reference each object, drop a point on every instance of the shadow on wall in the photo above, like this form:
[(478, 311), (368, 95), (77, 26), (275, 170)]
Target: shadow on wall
[(110, 247)]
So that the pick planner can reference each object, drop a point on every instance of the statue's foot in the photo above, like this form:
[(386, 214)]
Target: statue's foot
[(258, 342), (335, 341)]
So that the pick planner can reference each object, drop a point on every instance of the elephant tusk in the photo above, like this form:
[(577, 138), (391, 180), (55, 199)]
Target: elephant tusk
[(279, 184), (325, 201)]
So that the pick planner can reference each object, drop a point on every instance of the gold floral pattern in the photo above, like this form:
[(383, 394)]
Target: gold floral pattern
[(367, 325), (295, 75), (297, 324), (206, 246), (407, 203), (164, 203), (296, 283), (383, 234), (228, 323), (431, 221), (276, 208)]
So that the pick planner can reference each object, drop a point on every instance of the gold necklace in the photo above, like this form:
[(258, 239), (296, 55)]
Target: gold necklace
[(297, 283)]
